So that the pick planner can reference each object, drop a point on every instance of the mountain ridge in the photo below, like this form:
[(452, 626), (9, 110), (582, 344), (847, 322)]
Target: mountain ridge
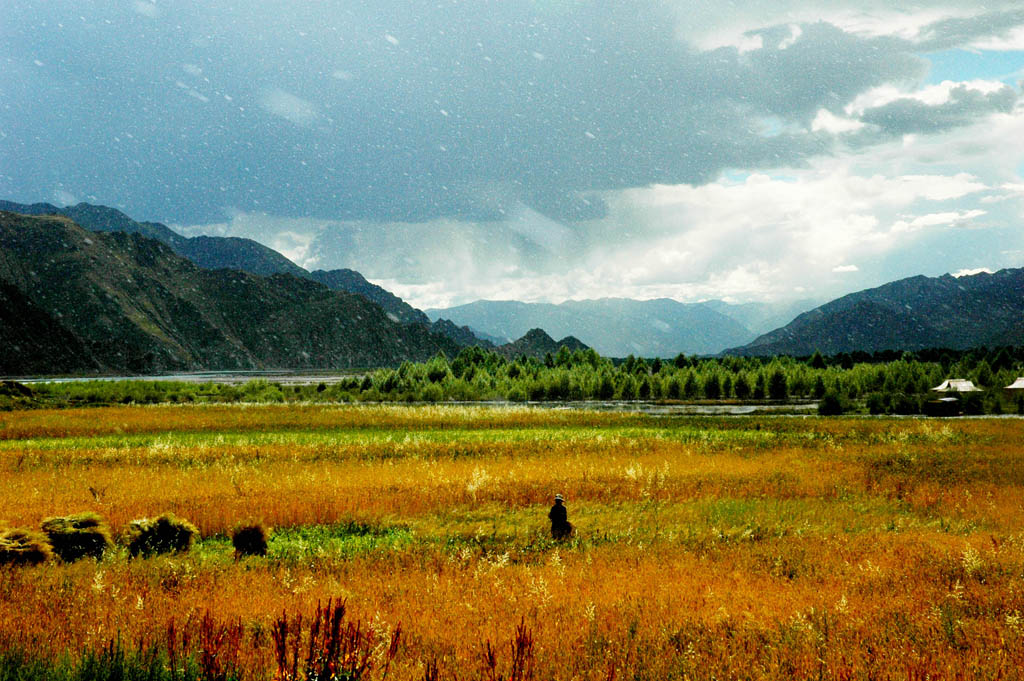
[(125, 302), (615, 327), (914, 313)]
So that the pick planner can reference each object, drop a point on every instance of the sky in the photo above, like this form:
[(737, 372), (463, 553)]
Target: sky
[(538, 150)]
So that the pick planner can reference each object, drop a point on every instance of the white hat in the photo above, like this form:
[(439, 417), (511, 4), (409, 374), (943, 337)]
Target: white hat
[(558, 497)]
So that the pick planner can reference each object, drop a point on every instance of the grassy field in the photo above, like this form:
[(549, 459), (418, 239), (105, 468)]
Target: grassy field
[(706, 548)]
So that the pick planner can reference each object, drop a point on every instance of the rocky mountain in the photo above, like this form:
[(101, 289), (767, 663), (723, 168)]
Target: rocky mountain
[(213, 252), (615, 327), (909, 314), (353, 282), (75, 300), (462, 335), (536, 343)]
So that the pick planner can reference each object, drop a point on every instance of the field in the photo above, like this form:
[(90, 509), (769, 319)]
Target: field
[(772, 547)]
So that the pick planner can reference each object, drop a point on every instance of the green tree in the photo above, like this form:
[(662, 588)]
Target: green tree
[(777, 386), (741, 386), (712, 386)]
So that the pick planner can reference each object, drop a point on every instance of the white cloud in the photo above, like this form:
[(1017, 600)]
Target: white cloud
[(826, 121), (952, 218), (846, 268), (299, 111), (1013, 40), (932, 95), (63, 197), (147, 9), (971, 272)]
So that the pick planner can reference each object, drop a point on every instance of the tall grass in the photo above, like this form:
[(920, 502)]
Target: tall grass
[(707, 548)]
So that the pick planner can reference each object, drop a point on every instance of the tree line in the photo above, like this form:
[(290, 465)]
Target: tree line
[(893, 383)]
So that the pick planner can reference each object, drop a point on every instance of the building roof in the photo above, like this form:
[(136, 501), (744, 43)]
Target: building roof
[(1017, 385), (957, 385)]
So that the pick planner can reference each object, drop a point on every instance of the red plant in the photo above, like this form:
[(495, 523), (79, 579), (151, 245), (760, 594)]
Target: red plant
[(521, 668), (334, 649)]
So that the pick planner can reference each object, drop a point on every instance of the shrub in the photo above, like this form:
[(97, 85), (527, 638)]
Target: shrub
[(249, 540), (166, 534), (876, 403), (23, 547), (830, 405), (77, 536)]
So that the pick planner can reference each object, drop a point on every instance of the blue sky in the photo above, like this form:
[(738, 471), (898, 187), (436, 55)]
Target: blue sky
[(538, 150)]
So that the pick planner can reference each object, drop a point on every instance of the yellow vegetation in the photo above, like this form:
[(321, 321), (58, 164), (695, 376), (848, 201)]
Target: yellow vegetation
[(748, 548)]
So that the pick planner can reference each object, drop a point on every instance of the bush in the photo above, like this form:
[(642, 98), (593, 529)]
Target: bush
[(77, 536), (166, 534), (830, 405), (23, 547), (249, 540), (876, 403)]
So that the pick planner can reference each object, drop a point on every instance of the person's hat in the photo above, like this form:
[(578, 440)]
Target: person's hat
[(558, 497)]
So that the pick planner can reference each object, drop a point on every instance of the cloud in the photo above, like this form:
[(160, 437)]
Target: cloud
[(540, 149), (991, 27), (964, 104), (299, 111), (952, 218), (845, 268), (971, 272), (147, 9)]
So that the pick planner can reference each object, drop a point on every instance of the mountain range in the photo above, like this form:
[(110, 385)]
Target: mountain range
[(81, 301), (910, 314), (615, 327), (179, 298), (215, 252)]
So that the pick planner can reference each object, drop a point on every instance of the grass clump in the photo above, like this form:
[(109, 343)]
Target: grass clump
[(249, 540), (78, 536), (165, 534), (23, 547)]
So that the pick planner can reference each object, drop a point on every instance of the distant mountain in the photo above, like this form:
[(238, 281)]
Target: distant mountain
[(462, 335), (536, 343), (74, 300), (909, 314), (214, 252), (762, 317), (615, 327)]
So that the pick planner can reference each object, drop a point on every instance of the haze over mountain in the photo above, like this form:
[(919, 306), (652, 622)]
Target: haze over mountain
[(615, 327), (909, 314), (762, 317), (538, 150)]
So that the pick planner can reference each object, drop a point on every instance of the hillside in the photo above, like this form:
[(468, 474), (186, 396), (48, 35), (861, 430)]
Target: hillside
[(909, 314), (353, 282), (615, 327), (536, 343), (213, 252), (122, 302)]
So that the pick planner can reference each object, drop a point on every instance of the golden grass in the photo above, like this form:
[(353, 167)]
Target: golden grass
[(708, 548)]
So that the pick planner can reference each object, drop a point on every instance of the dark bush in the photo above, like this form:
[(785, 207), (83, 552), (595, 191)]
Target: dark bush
[(249, 540), (876, 403), (973, 404), (166, 534), (901, 403), (830, 405), (77, 536), (23, 547)]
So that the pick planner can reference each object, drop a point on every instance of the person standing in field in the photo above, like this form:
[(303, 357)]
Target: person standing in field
[(561, 528)]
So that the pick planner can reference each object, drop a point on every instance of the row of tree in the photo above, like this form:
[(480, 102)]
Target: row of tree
[(877, 384)]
